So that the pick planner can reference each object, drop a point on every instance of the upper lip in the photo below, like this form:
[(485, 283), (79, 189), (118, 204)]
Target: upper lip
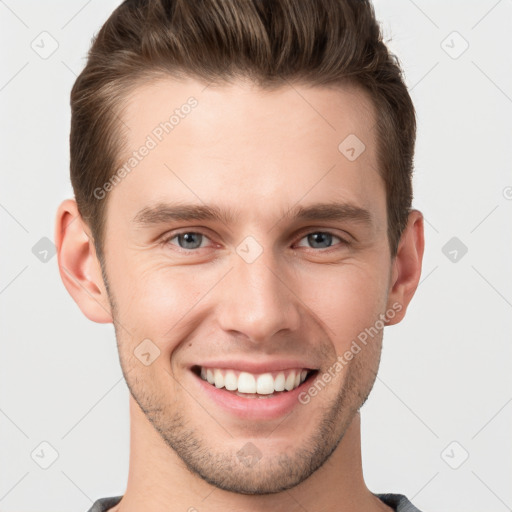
[(257, 367)]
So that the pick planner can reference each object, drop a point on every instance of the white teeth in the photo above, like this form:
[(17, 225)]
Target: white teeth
[(290, 382), (231, 380), (219, 379), (279, 382), (245, 382), (265, 384)]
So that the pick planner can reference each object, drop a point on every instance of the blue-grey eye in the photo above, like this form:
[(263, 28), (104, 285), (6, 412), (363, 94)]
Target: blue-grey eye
[(321, 239), (189, 240)]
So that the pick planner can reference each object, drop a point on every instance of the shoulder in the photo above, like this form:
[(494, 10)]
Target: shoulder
[(105, 504), (398, 502)]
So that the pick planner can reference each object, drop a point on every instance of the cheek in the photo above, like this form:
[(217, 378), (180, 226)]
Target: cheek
[(157, 301), (347, 299), (163, 303)]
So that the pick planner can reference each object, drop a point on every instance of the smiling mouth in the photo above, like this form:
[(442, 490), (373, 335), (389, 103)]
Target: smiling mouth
[(250, 385)]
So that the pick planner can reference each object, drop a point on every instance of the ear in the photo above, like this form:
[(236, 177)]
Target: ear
[(406, 270), (79, 267)]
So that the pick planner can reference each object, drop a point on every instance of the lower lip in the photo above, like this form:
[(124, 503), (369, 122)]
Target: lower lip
[(254, 408)]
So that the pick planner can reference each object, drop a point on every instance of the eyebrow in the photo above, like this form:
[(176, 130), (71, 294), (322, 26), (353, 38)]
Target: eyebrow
[(161, 213)]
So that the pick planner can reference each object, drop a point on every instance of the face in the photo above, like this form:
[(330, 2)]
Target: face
[(245, 248)]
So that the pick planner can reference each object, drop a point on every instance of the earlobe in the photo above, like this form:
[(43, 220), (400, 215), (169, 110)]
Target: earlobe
[(79, 267), (406, 269)]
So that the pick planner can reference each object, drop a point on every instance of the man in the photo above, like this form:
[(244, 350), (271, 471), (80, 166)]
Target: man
[(242, 175)]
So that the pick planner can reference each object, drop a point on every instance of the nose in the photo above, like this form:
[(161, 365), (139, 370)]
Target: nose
[(257, 299)]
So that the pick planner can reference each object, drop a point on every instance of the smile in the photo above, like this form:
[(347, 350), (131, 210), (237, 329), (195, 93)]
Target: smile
[(253, 390), (248, 383)]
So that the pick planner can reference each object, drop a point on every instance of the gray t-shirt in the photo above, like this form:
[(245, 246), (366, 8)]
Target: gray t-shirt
[(398, 502)]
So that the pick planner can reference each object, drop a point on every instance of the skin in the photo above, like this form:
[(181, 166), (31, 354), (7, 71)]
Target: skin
[(259, 153)]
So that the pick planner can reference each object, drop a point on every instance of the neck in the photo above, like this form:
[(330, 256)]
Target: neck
[(159, 481)]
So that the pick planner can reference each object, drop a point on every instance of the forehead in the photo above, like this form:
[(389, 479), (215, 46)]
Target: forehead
[(243, 145), (333, 112)]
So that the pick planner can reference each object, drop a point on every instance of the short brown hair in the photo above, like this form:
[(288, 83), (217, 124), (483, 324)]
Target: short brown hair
[(314, 42)]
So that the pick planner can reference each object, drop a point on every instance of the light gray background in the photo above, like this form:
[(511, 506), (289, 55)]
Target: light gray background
[(445, 371)]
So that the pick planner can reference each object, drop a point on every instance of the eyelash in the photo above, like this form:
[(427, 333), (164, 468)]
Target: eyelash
[(167, 240)]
